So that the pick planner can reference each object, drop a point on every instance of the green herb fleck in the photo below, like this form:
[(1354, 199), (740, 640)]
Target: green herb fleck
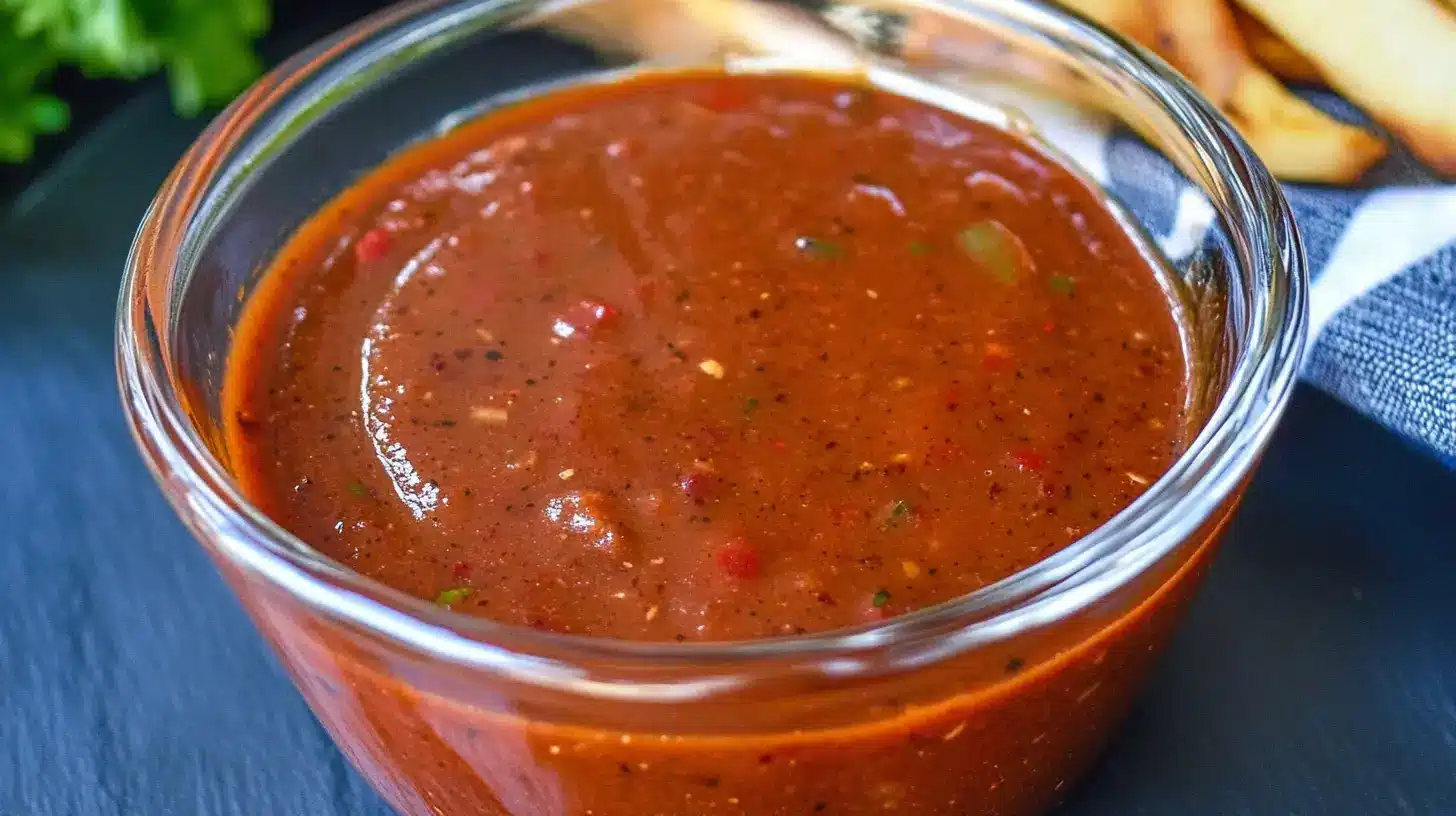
[(358, 489), (449, 597), (205, 48), (683, 296), (494, 356), (750, 405), (899, 512), (881, 598), (995, 247), (676, 352), (1062, 284), (819, 247), (919, 248)]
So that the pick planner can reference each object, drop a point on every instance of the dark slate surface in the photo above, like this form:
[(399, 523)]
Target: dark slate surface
[(1316, 676)]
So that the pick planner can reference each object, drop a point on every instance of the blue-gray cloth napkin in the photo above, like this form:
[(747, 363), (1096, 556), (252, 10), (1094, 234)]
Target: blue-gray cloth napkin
[(1382, 260)]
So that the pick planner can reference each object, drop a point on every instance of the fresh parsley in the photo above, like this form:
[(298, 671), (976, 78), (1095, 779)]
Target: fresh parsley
[(449, 597), (204, 46), (898, 514)]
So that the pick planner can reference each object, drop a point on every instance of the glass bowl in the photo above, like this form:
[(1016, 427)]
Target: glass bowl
[(993, 703)]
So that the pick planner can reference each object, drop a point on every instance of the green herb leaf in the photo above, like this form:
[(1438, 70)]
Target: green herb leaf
[(881, 598), (918, 248), (449, 597), (899, 513), (26, 62), (206, 49), (818, 247), (1062, 284), (996, 248), (750, 405), (358, 489)]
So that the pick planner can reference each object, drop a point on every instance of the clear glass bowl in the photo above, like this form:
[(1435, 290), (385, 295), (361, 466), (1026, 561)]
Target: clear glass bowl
[(993, 703)]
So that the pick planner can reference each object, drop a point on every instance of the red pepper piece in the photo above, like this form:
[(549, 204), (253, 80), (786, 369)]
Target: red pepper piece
[(738, 559), (1027, 459), (372, 245), (586, 316)]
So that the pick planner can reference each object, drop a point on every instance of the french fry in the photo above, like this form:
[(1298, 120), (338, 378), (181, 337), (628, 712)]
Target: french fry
[(1132, 19), (688, 31), (1396, 59), (1282, 59), (1200, 37), (1296, 140), (649, 27)]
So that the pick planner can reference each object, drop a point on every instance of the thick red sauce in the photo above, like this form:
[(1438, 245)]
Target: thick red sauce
[(696, 357)]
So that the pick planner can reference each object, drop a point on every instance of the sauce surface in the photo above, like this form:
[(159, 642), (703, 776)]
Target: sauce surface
[(705, 357)]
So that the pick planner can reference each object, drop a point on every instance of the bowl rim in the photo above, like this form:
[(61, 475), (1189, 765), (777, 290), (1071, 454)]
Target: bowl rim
[(1215, 464)]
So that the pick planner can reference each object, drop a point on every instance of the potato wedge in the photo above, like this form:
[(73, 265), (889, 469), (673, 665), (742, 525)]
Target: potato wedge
[(1296, 140), (688, 31), (1282, 59), (1199, 37), (1396, 59), (661, 31), (1132, 19)]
